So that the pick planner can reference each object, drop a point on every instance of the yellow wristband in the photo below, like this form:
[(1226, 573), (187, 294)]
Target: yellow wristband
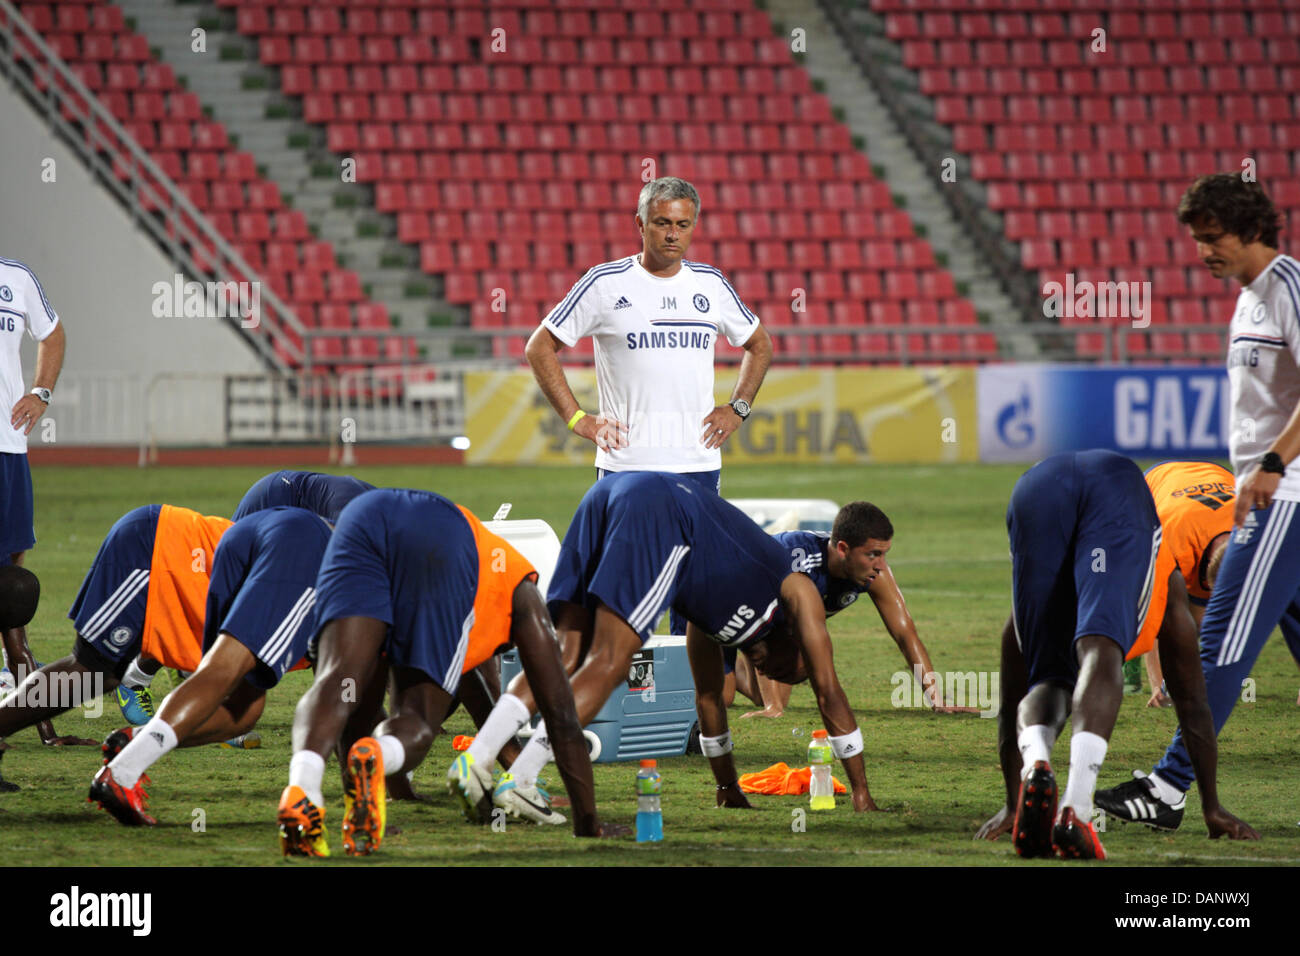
[(578, 416)]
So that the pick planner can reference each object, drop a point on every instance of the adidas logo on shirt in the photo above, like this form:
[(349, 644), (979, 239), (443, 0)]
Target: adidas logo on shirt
[(622, 303)]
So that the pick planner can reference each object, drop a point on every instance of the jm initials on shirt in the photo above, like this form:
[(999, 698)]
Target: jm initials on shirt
[(670, 302)]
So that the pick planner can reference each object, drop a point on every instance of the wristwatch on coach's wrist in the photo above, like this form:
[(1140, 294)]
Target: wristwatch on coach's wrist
[(1272, 464), (42, 393), (740, 407)]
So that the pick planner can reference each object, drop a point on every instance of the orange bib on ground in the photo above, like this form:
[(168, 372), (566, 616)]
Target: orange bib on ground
[(178, 585), (500, 569), (780, 780)]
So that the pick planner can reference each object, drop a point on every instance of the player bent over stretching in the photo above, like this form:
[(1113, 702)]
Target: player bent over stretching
[(1092, 583), (414, 584), (640, 543), (145, 592), (324, 495), (260, 614)]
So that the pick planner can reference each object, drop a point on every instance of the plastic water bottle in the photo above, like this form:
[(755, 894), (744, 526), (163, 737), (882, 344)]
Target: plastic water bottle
[(649, 816), (821, 791)]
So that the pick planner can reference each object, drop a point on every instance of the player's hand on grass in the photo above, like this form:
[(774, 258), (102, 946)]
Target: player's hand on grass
[(1222, 823), (1160, 699), (733, 797), (607, 831), (947, 709), (996, 825), (399, 788), (765, 712), (607, 434), (862, 802), (70, 742)]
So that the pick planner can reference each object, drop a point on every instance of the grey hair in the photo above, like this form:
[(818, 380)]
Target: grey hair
[(665, 188)]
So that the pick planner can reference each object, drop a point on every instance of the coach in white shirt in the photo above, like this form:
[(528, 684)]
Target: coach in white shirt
[(23, 308), (654, 318)]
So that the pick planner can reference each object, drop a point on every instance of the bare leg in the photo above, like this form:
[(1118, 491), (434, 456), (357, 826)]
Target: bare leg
[(419, 708), (479, 690), (63, 681), (575, 630), (347, 664), (610, 645), (236, 715), (1100, 688), (197, 710)]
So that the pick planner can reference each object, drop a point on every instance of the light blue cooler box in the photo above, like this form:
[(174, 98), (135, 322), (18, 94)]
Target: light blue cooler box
[(652, 714)]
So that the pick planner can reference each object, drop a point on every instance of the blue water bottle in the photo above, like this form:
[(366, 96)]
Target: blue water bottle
[(649, 816)]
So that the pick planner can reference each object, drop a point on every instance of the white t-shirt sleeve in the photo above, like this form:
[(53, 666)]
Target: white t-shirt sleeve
[(1289, 319), (735, 320), (41, 317), (579, 313)]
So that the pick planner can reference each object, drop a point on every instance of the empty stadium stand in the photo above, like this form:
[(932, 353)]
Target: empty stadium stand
[(1085, 150)]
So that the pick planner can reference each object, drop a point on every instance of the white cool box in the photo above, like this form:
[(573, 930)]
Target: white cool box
[(653, 713)]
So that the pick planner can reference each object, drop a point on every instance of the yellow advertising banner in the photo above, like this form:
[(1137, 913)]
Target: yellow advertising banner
[(858, 415)]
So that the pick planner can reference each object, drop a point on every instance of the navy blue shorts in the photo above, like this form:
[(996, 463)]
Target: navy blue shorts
[(1084, 535), (621, 551), (108, 612), (709, 479), (407, 558), (17, 531), (263, 589), (642, 542)]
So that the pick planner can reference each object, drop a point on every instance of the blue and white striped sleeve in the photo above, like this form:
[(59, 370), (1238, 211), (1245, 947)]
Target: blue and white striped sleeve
[(579, 313)]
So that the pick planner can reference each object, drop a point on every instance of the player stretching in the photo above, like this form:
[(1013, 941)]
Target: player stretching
[(1091, 584), (324, 495), (640, 543), (1194, 503), (145, 592), (413, 583), (259, 617), (1235, 227), (844, 564)]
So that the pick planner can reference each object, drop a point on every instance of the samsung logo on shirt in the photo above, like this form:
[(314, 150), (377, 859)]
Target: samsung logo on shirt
[(670, 340)]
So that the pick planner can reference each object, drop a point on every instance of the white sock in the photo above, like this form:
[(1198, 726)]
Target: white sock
[(147, 746), (135, 677), (504, 722), (1035, 744), (536, 755), (1087, 751), (1166, 791), (306, 770), (393, 752)]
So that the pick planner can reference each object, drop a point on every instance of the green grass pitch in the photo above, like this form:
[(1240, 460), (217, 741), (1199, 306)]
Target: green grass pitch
[(935, 776)]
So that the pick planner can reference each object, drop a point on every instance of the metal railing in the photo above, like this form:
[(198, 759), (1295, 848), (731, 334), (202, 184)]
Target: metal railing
[(1056, 341), (79, 117)]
